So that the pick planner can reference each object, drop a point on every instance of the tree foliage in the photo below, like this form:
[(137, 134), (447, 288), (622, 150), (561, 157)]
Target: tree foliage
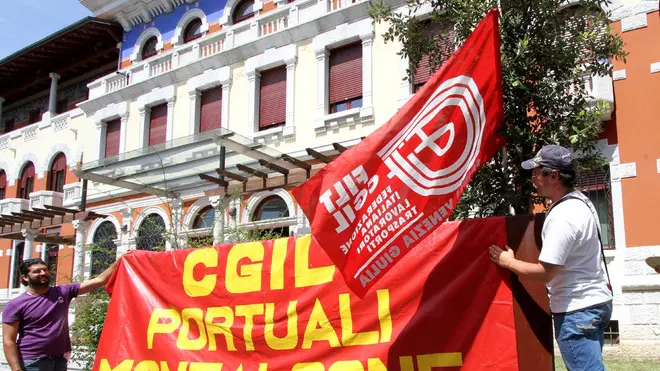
[(549, 52)]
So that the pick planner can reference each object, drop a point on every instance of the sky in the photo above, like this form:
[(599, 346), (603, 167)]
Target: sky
[(23, 22)]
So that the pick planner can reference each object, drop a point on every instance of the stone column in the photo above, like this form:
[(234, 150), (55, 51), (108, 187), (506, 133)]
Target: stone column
[(254, 82), (101, 129), (224, 119), (52, 100), (170, 120), (28, 247), (12, 272), (29, 235), (367, 97), (126, 224), (322, 82), (219, 204), (122, 133), (290, 95), (81, 227), (195, 110)]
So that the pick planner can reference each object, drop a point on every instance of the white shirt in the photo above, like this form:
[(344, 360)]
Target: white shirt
[(570, 239)]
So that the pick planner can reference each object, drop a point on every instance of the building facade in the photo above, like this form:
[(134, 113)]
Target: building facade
[(210, 99)]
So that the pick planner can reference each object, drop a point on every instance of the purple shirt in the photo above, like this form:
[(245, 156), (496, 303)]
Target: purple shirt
[(43, 321)]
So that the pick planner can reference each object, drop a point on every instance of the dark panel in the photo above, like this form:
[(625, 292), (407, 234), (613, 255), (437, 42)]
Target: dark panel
[(158, 124), (210, 116), (112, 135), (345, 73), (272, 106)]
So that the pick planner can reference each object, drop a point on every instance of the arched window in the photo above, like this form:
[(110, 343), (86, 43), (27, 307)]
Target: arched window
[(104, 251), (244, 10), (18, 259), (193, 30), (204, 218), (52, 254), (3, 184), (150, 233), (57, 174), (149, 48), (272, 207), (26, 185)]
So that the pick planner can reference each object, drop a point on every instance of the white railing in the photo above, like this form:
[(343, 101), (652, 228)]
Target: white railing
[(60, 122), (339, 4), (30, 132), (72, 194), (211, 47), (281, 18), (42, 198), (161, 66), (268, 26), (9, 205), (116, 82), (4, 141)]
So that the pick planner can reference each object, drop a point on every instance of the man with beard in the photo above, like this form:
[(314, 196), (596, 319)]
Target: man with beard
[(39, 317)]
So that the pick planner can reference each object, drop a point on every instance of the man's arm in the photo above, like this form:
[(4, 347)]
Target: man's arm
[(9, 335), (536, 271), (97, 281)]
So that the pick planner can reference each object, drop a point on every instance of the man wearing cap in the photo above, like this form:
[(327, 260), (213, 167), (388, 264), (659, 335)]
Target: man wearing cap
[(39, 318), (571, 262)]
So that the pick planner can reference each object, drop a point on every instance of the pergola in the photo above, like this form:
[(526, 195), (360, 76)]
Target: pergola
[(237, 165), (220, 157), (12, 226)]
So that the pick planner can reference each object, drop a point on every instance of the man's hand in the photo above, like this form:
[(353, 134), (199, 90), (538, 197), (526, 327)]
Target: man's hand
[(503, 258), (537, 271), (97, 281)]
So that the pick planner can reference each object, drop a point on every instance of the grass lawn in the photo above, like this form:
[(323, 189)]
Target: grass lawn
[(618, 365)]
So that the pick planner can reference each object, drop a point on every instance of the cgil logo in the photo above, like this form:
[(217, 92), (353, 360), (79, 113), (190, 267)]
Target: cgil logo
[(444, 173), (337, 203)]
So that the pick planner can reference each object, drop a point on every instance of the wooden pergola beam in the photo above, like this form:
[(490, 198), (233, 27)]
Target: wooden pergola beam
[(319, 156), (339, 147), (215, 180)]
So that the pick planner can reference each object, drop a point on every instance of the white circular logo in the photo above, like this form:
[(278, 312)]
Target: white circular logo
[(453, 136)]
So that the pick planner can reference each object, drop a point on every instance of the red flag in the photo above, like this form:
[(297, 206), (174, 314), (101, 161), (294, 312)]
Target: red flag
[(379, 199)]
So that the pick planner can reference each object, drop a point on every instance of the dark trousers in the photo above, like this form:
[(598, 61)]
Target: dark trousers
[(45, 364)]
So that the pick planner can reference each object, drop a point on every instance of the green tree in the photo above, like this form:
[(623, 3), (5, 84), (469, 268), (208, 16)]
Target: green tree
[(549, 51)]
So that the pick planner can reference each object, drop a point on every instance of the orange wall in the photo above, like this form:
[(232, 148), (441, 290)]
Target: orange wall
[(5, 263), (638, 131)]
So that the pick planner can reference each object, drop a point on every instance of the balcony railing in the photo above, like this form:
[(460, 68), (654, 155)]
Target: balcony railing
[(9, 205), (72, 194), (266, 24), (41, 198)]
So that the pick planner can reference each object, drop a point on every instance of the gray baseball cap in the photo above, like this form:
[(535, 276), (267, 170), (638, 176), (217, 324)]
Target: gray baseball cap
[(551, 156)]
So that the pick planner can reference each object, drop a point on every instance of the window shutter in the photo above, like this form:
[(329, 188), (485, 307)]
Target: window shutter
[(28, 172), (59, 163), (112, 134), (3, 179), (345, 73), (211, 109), (423, 72), (272, 102), (158, 124)]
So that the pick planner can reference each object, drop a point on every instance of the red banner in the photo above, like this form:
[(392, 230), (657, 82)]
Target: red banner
[(403, 180), (281, 305)]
